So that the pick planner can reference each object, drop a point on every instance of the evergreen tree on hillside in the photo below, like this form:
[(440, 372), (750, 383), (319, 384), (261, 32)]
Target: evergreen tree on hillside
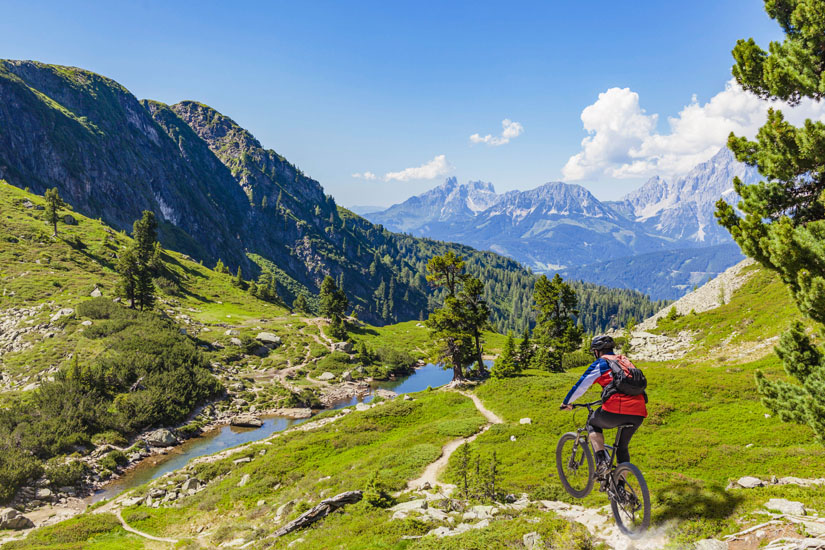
[(446, 271), (505, 365), (783, 227), (139, 263), (556, 332), (53, 205), (145, 235), (525, 349), (300, 304), (457, 325), (127, 268), (334, 305), (477, 315)]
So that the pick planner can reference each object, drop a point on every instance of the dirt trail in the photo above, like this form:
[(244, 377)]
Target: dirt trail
[(141, 533), (431, 472)]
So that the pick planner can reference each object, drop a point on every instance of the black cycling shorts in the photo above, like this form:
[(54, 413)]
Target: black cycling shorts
[(604, 420)]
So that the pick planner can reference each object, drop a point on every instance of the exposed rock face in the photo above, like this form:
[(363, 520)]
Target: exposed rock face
[(707, 296), (216, 191), (683, 208), (161, 438), (12, 519)]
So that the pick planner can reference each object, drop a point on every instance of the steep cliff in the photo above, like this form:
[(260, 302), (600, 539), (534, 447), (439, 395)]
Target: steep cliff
[(217, 192)]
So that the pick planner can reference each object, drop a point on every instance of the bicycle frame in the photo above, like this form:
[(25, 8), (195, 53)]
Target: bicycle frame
[(612, 448), (629, 498)]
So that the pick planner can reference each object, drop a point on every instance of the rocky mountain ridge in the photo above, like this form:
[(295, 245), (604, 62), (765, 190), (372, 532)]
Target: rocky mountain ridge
[(216, 191), (561, 226)]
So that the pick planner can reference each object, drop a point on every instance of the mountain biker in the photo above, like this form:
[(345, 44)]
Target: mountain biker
[(618, 409)]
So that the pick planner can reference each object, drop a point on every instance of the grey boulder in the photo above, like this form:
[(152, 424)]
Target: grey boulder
[(12, 519), (161, 438), (268, 339)]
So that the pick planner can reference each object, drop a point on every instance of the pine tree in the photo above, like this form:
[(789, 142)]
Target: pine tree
[(145, 235), (556, 332), (127, 268), (505, 365), (220, 268), (53, 205), (525, 350), (783, 227), (457, 325), (477, 315), (446, 271), (301, 305), (238, 282), (334, 306)]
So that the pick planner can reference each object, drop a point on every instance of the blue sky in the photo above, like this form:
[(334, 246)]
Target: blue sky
[(343, 88)]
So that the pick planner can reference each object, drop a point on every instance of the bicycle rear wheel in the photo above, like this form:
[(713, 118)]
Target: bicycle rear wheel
[(631, 501), (574, 462)]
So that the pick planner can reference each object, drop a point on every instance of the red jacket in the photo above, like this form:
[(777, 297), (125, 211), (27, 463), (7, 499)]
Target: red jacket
[(599, 372)]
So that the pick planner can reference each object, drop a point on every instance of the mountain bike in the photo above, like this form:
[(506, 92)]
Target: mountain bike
[(624, 483)]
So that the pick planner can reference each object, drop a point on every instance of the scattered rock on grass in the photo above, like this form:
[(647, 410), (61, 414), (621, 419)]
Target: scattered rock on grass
[(784, 506)]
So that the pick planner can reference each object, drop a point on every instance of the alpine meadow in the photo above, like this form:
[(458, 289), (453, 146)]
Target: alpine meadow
[(563, 286)]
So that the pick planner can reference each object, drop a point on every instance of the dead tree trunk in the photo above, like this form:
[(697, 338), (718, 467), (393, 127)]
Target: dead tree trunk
[(321, 510)]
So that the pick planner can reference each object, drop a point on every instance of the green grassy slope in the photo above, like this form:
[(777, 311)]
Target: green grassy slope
[(706, 425)]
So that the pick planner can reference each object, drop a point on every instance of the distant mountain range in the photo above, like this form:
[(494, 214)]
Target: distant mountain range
[(563, 227)]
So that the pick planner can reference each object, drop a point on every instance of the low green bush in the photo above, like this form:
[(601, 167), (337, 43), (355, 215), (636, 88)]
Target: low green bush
[(577, 358), (113, 459), (104, 308), (65, 474), (109, 437), (77, 530)]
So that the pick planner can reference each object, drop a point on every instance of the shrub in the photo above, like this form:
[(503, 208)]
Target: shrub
[(16, 467), (395, 359), (109, 437), (65, 474), (113, 459), (70, 532), (167, 286), (376, 495), (576, 359), (336, 363), (104, 308)]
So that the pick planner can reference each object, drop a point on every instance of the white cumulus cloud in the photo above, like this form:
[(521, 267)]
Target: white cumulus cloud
[(623, 141), (429, 170), (509, 130), (364, 176)]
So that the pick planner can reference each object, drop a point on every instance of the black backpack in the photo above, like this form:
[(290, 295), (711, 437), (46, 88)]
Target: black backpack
[(627, 379)]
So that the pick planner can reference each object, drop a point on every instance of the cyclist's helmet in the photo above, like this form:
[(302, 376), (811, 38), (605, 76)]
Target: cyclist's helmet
[(602, 343)]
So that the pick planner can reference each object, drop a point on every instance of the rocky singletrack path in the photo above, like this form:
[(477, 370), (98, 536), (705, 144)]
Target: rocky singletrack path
[(432, 470), (141, 533)]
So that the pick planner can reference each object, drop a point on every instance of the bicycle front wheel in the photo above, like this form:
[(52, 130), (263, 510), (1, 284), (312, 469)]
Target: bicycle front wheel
[(574, 462), (630, 501)]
